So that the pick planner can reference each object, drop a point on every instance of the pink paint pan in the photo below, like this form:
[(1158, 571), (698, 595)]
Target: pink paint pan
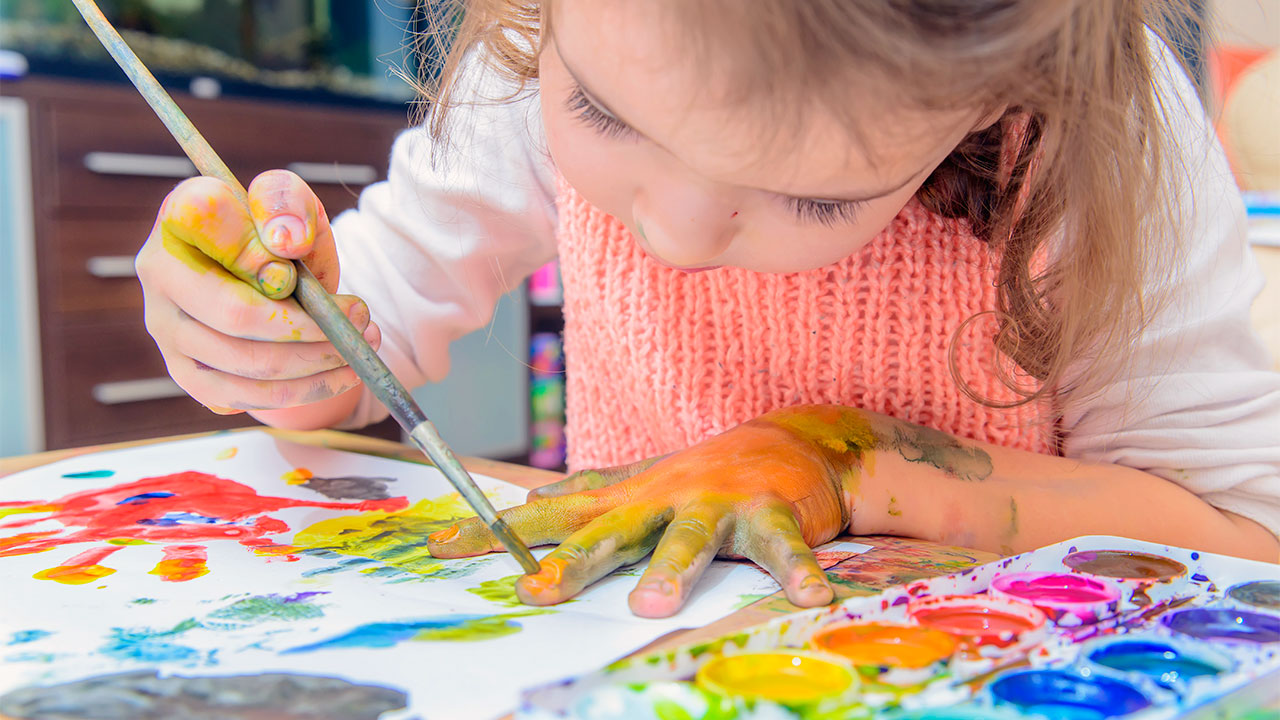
[(1068, 599)]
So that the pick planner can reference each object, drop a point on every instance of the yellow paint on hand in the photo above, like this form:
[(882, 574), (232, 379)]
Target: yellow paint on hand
[(840, 430)]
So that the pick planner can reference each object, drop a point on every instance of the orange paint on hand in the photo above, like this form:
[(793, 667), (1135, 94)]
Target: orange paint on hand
[(445, 535), (297, 476), (545, 581), (182, 563), (81, 569)]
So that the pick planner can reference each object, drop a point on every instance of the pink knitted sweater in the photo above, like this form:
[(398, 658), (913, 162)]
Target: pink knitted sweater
[(659, 359)]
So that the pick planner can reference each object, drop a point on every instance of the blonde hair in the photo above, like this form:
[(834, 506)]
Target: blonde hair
[(1081, 153)]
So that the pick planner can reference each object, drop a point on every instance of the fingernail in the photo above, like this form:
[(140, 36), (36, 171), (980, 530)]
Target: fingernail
[(359, 314), (274, 277), (810, 582), (445, 535), (284, 233)]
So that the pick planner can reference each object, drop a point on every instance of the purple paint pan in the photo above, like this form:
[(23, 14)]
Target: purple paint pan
[(1068, 599), (1225, 624), (1144, 579)]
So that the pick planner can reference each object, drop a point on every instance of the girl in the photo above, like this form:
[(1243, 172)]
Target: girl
[(971, 272)]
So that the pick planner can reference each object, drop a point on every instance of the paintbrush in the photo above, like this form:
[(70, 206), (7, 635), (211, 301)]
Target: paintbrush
[(312, 296)]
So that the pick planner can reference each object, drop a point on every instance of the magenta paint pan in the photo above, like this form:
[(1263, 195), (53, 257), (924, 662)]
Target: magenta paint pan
[(1144, 579), (1068, 599)]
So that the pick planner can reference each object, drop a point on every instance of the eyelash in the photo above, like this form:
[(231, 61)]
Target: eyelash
[(824, 212), (579, 104)]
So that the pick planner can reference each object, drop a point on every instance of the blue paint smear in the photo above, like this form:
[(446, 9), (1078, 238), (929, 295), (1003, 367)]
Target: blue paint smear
[(1195, 556), (1200, 577), (144, 497), (171, 519), (32, 657), (25, 636), (1060, 695), (88, 474), (385, 634), (146, 645)]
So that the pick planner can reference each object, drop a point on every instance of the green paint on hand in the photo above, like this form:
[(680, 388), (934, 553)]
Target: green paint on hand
[(919, 444)]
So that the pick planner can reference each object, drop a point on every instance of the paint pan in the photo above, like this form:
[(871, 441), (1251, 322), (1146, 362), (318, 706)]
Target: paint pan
[(796, 680), (1225, 625), (1170, 663), (1064, 695), (890, 654), (1260, 594), (979, 621), (1068, 599), (1146, 579)]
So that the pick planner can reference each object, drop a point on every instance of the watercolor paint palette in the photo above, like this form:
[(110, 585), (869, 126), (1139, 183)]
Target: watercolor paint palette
[(1096, 627)]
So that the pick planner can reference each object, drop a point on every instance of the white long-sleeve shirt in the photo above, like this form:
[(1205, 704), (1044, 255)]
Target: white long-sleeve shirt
[(433, 248)]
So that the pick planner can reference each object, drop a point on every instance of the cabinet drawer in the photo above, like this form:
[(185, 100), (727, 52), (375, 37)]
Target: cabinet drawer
[(114, 386), (92, 264)]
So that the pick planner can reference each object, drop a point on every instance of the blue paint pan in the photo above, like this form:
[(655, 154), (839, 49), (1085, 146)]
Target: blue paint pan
[(1062, 695), (1168, 663)]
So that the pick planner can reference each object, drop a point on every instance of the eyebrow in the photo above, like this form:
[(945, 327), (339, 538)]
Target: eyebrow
[(866, 197)]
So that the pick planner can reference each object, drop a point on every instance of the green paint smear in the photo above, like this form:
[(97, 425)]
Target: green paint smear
[(487, 628), (501, 591), (143, 601), (268, 607), (87, 474), (749, 599)]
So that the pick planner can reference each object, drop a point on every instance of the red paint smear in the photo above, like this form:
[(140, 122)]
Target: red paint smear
[(262, 546), (182, 563), (80, 569), (236, 512)]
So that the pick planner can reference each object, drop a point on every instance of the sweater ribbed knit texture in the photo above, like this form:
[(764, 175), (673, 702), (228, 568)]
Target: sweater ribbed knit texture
[(659, 359)]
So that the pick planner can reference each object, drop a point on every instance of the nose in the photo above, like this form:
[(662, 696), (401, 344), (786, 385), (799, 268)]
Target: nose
[(683, 224)]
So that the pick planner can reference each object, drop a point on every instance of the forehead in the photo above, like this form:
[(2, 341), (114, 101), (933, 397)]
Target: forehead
[(631, 58)]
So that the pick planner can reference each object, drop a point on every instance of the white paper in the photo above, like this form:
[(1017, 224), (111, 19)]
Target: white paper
[(388, 623)]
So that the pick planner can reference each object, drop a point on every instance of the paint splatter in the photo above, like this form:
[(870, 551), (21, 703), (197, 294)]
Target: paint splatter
[(147, 645), (89, 474), (260, 608), (397, 539), (184, 506), (297, 476), (227, 453), (350, 487), (143, 601), (21, 637), (919, 444), (81, 569), (452, 628), (894, 511), (501, 591), (145, 695), (182, 563)]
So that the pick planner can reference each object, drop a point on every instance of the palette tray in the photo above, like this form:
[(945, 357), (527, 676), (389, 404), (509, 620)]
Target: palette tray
[(1094, 627)]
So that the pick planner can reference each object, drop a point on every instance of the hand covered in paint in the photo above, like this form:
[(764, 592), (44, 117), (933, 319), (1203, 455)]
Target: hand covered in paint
[(767, 490), (216, 278)]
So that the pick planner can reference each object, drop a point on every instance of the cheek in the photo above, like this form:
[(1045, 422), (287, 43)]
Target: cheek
[(809, 246), (600, 169)]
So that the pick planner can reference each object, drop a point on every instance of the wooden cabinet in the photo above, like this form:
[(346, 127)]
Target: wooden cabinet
[(101, 165)]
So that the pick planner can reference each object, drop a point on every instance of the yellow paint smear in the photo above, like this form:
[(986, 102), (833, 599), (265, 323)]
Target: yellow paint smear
[(74, 575)]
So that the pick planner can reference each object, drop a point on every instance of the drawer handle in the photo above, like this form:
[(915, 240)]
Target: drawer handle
[(113, 163), (333, 173), (128, 391), (111, 266)]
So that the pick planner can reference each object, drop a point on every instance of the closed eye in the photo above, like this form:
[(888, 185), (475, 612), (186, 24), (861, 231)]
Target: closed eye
[(596, 118), (824, 212)]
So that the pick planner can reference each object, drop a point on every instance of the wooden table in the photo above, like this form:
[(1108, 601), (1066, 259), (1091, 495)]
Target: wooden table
[(891, 561)]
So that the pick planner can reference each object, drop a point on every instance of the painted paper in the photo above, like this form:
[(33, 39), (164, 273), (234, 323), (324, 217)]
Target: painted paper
[(251, 567)]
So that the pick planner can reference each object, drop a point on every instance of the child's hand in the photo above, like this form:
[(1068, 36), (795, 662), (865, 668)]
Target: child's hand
[(217, 278), (760, 491)]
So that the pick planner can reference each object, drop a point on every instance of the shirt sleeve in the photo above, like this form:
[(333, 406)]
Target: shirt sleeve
[(433, 248), (1196, 401)]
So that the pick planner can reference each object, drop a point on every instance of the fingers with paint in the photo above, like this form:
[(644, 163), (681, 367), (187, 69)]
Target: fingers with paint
[(217, 277), (767, 490)]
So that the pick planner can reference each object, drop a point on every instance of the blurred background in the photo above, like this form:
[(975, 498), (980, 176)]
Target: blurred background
[(317, 86)]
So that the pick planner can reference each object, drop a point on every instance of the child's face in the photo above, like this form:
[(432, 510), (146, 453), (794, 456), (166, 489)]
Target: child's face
[(641, 135)]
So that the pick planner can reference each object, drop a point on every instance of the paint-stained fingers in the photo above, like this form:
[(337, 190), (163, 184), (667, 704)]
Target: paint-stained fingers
[(592, 479), (690, 543), (292, 223), (771, 538), (619, 537), (205, 214), (254, 359), (209, 293), (540, 522), (225, 393)]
